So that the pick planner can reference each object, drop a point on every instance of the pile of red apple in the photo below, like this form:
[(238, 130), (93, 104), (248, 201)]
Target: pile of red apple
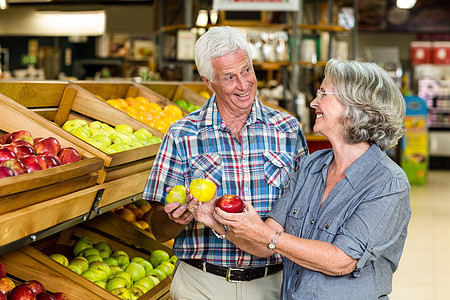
[(21, 153), (28, 290)]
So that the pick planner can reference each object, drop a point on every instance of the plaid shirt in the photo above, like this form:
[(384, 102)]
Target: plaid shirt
[(256, 167)]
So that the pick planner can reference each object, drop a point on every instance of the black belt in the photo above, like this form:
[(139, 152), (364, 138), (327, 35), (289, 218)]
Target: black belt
[(235, 274)]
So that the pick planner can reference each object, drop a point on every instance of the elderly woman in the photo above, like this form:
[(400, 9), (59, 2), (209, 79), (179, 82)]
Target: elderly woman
[(341, 224)]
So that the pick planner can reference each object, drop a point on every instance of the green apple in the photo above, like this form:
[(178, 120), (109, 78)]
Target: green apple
[(177, 193), (155, 140), (122, 293), (109, 130), (101, 283), (121, 257), (89, 251), (114, 270), (81, 122), (137, 271), (81, 133), (142, 134), (166, 267), (115, 283), (81, 262), (158, 256), (135, 144), (155, 279), (145, 263), (101, 266), (124, 128), (93, 257), (94, 142), (70, 125), (146, 281), (95, 124), (125, 275), (92, 275), (95, 131), (81, 244), (137, 291), (173, 259), (60, 258), (117, 148), (105, 248), (158, 273), (104, 139), (124, 137), (115, 139), (110, 261), (76, 268)]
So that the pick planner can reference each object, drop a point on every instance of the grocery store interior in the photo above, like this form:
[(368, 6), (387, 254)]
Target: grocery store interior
[(58, 57)]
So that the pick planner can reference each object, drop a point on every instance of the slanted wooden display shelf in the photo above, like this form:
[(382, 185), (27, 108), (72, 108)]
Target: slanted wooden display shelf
[(36, 201), (175, 90), (36, 264), (61, 101), (110, 90)]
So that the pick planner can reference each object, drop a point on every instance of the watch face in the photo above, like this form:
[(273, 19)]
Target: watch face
[(271, 246)]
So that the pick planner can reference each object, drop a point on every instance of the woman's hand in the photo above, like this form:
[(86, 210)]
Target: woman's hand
[(246, 225)]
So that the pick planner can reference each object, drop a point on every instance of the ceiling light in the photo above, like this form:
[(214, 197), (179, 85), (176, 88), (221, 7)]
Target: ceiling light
[(202, 18), (3, 4), (406, 4)]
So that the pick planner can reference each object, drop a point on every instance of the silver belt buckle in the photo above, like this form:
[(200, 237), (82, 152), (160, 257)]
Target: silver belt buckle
[(228, 274)]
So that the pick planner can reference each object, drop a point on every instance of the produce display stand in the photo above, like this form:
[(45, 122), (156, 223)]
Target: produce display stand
[(124, 174), (36, 264), (34, 202)]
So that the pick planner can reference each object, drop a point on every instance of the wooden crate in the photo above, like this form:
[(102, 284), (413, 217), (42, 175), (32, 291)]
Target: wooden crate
[(62, 101), (35, 264), (36, 201)]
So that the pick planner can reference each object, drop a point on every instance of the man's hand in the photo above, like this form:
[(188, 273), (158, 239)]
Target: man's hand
[(178, 213)]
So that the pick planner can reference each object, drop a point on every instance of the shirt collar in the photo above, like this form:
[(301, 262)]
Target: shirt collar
[(209, 114), (359, 168)]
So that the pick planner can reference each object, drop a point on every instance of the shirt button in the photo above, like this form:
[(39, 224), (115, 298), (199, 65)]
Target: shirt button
[(312, 221), (327, 226), (298, 272), (294, 212), (246, 188)]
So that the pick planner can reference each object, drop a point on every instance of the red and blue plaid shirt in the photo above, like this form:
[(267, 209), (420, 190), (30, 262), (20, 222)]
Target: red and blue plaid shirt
[(256, 167)]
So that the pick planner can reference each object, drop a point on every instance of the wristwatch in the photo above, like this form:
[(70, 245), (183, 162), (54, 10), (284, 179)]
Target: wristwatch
[(273, 242)]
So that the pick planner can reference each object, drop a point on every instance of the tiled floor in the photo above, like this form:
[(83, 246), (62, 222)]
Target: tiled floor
[(424, 271)]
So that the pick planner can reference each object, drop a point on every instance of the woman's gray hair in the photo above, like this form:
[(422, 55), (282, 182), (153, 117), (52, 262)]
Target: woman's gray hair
[(375, 107), (216, 42)]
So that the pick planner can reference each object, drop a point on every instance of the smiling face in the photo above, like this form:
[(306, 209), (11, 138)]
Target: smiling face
[(234, 83), (328, 112)]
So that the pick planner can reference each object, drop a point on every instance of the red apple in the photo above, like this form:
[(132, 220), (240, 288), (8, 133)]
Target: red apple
[(4, 137), (16, 165), (42, 161), (45, 296), (6, 285), (35, 140), (230, 203), (60, 296), (69, 155), (21, 292), (52, 161), (11, 147), (6, 154), (49, 144), (31, 163), (23, 150), (2, 296), (20, 135), (6, 172), (2, 270), (22, 142), (35, 286)]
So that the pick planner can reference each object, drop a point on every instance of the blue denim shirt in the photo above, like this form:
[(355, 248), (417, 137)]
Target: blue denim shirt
[(366, 215)]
